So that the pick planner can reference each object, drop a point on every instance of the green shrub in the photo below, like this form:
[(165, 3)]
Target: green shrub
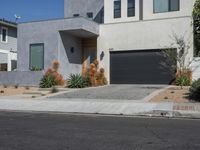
[(78, 81), (195, 90), (183, 80), (34, 68), (47, 81)]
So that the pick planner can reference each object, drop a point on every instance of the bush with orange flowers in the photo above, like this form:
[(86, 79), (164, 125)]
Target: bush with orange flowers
[(52, 77), (97, 78), (56, 66)]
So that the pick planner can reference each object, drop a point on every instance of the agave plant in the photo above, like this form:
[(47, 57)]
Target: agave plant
[(78, 81), (47, 81), (183, 80)]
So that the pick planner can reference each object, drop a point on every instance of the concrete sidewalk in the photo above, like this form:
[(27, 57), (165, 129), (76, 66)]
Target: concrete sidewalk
[(108, 107)]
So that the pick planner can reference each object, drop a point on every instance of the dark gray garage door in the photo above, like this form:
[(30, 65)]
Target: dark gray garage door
[(140, 67)]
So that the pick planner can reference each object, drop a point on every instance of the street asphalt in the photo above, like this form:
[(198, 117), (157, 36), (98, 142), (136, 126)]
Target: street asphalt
[(117, 92), (26, 131)]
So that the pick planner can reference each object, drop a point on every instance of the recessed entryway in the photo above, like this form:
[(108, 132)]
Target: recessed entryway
[(89, 53)]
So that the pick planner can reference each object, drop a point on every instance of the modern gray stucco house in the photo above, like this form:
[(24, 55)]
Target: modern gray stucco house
[(8, 45), (126, 36)]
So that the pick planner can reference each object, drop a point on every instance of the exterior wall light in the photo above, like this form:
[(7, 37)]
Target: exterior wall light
[(72, 49), (102, 55)]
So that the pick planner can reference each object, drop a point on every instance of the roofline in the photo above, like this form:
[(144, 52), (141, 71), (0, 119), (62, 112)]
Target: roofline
[(42, 20), (8, 23), (56, 19)]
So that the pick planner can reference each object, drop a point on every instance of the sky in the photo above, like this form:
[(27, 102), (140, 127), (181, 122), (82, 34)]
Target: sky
[(31, 10)]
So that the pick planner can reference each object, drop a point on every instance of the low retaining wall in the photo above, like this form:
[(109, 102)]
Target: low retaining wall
[(22, 78)]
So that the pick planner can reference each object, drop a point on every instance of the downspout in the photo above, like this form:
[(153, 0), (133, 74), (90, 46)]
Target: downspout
[(58, 48)]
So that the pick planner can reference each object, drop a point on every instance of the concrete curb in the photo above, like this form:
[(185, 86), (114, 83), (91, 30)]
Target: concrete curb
[(104, 107)]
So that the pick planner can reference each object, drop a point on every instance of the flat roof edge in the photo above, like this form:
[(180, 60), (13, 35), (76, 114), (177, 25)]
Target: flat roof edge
[(56, 19), (8, 24)]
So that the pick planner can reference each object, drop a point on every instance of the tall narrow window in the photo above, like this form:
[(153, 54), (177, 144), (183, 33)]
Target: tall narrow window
[(100, 16), (117, 8), (4, 34), (36, 56), (131, 8), (166, 5), (174, 5)]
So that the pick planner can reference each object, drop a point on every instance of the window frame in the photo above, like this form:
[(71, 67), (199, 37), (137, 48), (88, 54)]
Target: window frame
[(131, 8), (169, 8), (30, 67), (120, 9), (4, 28)]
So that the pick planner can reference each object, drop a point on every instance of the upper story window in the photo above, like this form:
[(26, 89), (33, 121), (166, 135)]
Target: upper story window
[(117, 9), (4, 34), (90, 15), (76, 15), (166, 5), (100, 16), (131, 8)]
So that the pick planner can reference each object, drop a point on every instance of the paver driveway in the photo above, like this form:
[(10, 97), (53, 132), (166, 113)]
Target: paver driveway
[(126, 92)]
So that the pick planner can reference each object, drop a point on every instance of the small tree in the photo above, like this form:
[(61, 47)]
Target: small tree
[(183, 73), (196, 17), (182, 48), (97, 78)]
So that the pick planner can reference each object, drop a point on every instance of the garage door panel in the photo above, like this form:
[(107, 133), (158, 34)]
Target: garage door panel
[(140, 67)]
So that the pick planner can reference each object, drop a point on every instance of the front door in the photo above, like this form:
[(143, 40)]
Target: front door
[(89, 55)]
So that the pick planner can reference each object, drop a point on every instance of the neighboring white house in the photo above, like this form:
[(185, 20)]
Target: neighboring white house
[(126, 36), (8, 45)]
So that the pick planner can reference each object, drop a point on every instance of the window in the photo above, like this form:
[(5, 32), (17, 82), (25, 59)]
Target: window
[(76, 15), (100, 16), (36, 56), (90, 15), (166, 5), (174, 5), (4, 34), (131, 8), (13, 65), (3, 67), (117, 8)]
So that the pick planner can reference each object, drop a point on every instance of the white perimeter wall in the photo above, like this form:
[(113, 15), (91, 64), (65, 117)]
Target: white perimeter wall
[(195, 66)]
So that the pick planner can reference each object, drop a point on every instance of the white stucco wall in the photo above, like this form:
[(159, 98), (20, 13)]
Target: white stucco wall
[(109, 12), (155, 31), (186, 7), (142, 35)]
